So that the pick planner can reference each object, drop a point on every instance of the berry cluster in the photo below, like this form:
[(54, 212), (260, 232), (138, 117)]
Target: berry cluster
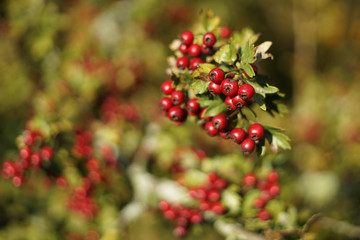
[(269, 189), (181, 215), (207, 197), (34, 154)]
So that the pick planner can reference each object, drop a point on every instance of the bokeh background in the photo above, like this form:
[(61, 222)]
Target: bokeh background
[(316, 48)]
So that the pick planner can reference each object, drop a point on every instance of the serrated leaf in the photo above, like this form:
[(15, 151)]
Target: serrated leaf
[(247, 54), (246, 35), (248, 69), (232, 201), (277, 138), (199, 86), (261, 50), (227, 54), (203, 68), (214, 110), (209, 21), (259, 99)]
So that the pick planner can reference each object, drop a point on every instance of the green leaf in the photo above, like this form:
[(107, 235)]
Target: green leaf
[(263, 88), (215, 109), (209, 21), (246, 36), (277, 138), (193, 178), (202, 69), (232, 201), (199, 86), (205, 101), (259, 99), (227, 54), (247, 54), (248, 69)]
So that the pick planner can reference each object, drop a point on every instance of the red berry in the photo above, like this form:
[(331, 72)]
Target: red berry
[(61, 181), (219, 122), (246, 91), (36, 159), (179, 231), (193, 106), (209, 39), (195, 63), (247, 146), (8, 169), (264, 215), (212, 177), (272, 176), (29, 138), (185, 212), (238, 135), (167, 87), (217, 75), (214, 195), (217, 208), (187, 38), (210, 129), (176, 114), (169, 214), (256, 132), (259, 202), (204, 205), (265, 195), (46, 152), (220, 183), (225, 133), (194, 50), (181, 221), (249, 180), (273, 189), (17, 180), (214, 88), (229, 104), (92, 165), (25, 152), (182, 62), (262, 184), (208, 118), (183, 48), (229, 87), (165, 103), (205, 49), (238, 101), (196, 217), (225, 32), (177, 97)]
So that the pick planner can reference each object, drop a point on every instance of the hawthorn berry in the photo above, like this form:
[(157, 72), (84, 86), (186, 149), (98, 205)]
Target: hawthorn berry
[(210, 129), (181, 221), (272, 176), (36, 159), (264, 194), (220, 183), (179, 231), (256, 132), (214, 195), (219, 122), (61, 181), (204, 205), (246, 91), (25, 152), (165, 103), (182, 63), (225, 32), (195, 63), (273, 189), (194, 50), (209, 39), (193, 106), (205, 49), (183, 48), (196, 217), (263, 184), (238, 135), (247, 146), (217, 208), (214, 88), (229, 103), (264, 215), (259, 202), (238, 101), (217, 75), (8, 169), (177, 97), (17, 180), (46, 152), (229, 87), (167, 87), (187, 37), (93, 165), (170, 214), (176, 114), (249, 180), (212, 177)]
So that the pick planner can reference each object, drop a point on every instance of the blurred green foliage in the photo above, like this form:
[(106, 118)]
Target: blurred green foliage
[(316, 45)]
